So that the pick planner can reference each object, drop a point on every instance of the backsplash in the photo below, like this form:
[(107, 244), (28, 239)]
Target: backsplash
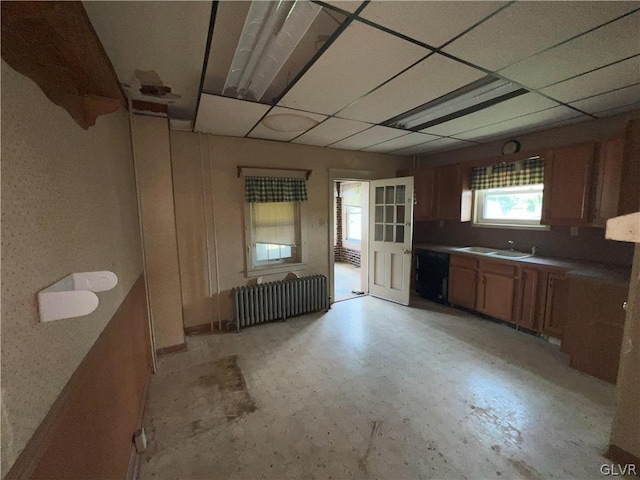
[(588, 245)]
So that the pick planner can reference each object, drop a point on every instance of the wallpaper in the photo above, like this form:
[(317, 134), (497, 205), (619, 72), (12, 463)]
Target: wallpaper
[(68, 205)]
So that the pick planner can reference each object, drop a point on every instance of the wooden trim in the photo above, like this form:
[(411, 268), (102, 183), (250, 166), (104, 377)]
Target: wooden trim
[(306, 170), (203, 328), (181, 347), (134, 460), (70, 429), (622, 457), (149, 106)]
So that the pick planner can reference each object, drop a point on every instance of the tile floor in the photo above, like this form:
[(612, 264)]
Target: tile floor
[(375, 390), (347, 279)]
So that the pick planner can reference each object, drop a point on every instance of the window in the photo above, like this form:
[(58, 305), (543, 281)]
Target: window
[(273, 233), (354, 223), (509, 206)]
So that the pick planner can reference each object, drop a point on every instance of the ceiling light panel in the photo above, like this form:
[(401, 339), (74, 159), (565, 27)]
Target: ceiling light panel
[(629, 96), (360, 59), (603, 46), (367, 138), (227, 116), (433, 23), (260, 131), (440, 144), (534, 120), (404, 141), (330, 131), (515, 107), (526, 28), (609, 78), (428, 80)]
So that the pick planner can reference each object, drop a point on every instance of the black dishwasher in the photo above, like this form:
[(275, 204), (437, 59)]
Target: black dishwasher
[(432, 275)]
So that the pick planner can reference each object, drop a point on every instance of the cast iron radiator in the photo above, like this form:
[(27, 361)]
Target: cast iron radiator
[(271, 301)]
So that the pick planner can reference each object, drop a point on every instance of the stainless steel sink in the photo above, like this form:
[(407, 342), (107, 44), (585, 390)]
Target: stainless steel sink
[(483, 250), (509, 254)]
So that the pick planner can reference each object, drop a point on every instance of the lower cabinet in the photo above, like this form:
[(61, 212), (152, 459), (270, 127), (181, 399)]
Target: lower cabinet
[(532, 295), (556, 305), (463, 281), (496, 290)]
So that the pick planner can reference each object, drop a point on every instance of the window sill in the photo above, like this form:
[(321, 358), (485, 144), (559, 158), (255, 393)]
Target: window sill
[(543, 228), (275, 269)]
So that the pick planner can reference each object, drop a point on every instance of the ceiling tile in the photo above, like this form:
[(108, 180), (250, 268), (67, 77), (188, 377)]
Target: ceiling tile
[(618, 98), (609, 78), (404, 141), (433, 23), (358, 61), (526, 28), (440, 144), (534, 120), (617, 111), (372, 136), (263, 132), (528, 103), (428, 80), (348, 5), (330, 131), (601, 47), (227, 116)]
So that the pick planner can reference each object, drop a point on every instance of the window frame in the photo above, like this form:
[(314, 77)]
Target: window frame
[(296, 261), (520, 224)]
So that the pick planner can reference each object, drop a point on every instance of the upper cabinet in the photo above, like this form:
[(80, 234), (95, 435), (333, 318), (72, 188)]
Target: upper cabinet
[(442, 194), (607, 182), (568, 175), (629, 199)]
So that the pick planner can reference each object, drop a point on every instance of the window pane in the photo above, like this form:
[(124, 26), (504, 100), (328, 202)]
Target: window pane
[(379, 215), (389, 196), (399, 234), (511, 205), (388, 215), (354, 223), (379, 195), (378, 235), (400, 214), (400, 194), (388, 233)]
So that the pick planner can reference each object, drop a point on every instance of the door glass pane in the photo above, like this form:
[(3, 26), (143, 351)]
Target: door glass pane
[(388, 215), (379, 195), (399, 233), (400, 194), (379, 215), (400, 214), (378, 233), (388, 233), (389, 196)]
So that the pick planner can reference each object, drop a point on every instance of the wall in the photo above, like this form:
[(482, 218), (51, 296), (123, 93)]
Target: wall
[(225, 154), (68, 205), (589, 245), (155, 184)]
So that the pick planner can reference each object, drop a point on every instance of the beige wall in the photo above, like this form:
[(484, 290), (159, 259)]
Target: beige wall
[(155, 184), (227, 205), (534, 142), (68, 205)]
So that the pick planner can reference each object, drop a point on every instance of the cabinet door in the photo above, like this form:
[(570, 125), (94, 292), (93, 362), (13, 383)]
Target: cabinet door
[(462, 287), (556, 305), (425, 191), (495, 295), (608, 176), (532, 297), (449, 193), (567, 185)]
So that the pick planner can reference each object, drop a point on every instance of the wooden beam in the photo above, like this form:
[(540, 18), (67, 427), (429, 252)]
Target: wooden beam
[(55, 45)]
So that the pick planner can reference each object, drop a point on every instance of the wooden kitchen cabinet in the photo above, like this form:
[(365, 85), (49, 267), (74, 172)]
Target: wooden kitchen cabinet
[(556, 305), (607, 180), (425, 190), (532, 294), (496, 290), (568, 175), (463, 280), (453, 196)]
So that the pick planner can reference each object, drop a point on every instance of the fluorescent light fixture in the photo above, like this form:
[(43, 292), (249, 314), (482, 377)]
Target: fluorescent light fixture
[(476, 96), (271, 32), (288, 122)]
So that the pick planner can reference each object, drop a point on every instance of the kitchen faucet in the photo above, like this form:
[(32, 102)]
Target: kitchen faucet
[(511, 244)]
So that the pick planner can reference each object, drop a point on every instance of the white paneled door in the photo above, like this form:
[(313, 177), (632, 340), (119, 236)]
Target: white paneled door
[(390, 237)]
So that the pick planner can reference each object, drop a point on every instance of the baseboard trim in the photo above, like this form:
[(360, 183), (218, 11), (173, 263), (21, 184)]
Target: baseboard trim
[(181, 347), (622, 457), (203, 328), (134, 460)]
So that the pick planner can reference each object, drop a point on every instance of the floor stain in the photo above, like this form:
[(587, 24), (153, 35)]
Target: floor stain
[(526, 470), (501, 427), (362, 463), (227, 377)]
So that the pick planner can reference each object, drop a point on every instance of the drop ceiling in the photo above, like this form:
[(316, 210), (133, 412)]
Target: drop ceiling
[(363, 63)]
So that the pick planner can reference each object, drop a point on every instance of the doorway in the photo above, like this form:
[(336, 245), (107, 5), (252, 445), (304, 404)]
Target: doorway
[(350, 239)]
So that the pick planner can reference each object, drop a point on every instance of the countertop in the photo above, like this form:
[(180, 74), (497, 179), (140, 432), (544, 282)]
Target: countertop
[(603, 272)]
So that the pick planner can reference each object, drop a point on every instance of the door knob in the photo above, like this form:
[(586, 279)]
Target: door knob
[(405, 251)]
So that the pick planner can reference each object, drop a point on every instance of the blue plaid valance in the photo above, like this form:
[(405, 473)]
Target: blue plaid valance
[(275, 189), (527, 172)]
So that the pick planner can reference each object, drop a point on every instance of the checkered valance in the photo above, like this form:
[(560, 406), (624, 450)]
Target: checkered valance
[(527, 172), (275, 189)]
